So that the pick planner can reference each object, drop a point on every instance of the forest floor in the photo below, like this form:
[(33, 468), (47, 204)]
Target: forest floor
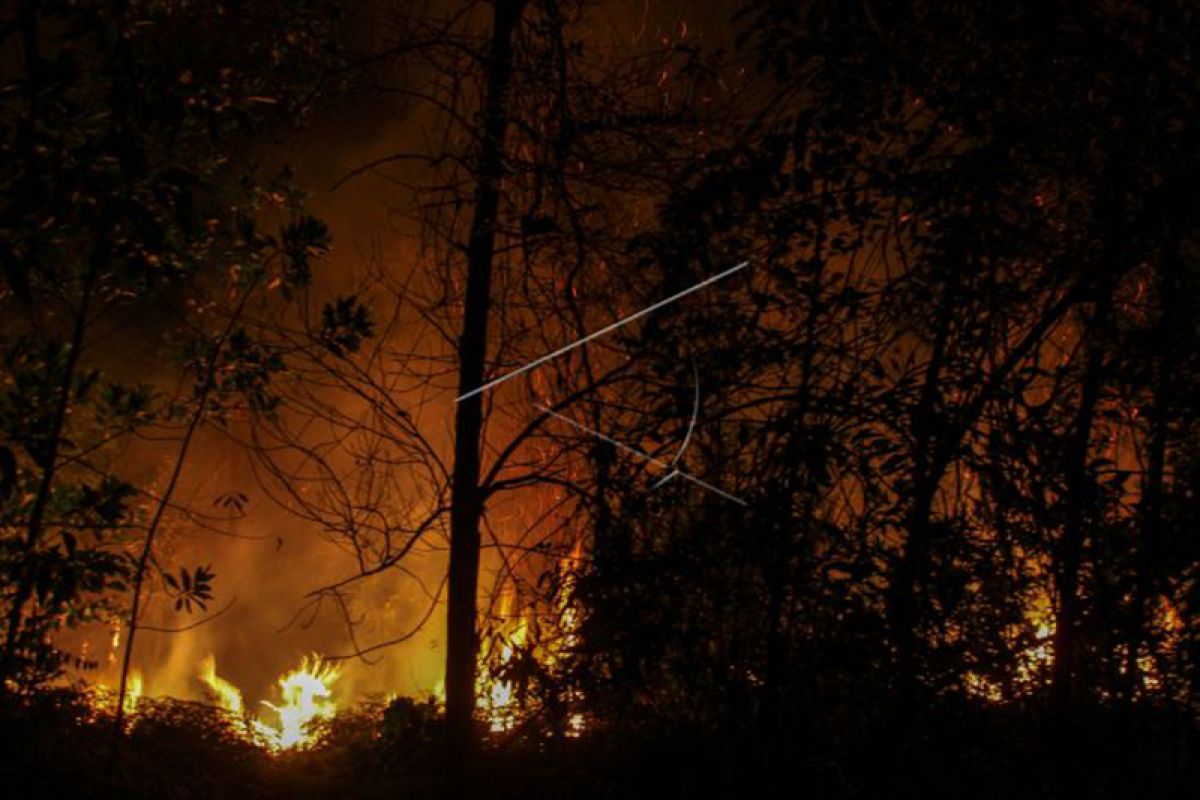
[(60, 746)]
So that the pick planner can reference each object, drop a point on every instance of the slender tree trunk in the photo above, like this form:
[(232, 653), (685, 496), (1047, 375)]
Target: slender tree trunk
[(139, 577), (50, 461), (462, 644)]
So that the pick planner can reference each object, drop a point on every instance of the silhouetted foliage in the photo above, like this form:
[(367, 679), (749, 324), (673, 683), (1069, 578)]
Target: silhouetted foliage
[(123, 230)]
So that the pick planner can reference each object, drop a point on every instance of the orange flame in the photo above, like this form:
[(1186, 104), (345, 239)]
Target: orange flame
[(228, 696)]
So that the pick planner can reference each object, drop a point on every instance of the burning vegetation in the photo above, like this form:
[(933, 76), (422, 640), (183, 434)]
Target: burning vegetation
[(305, 698)]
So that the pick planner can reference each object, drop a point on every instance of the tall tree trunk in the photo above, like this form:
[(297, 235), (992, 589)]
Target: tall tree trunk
[(928, 467), (800, 479), (462, 643), (1079, 488), (1150, 505)]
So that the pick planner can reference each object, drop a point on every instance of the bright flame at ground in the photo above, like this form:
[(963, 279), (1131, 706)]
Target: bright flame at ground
[(305, 697), (306, 693)]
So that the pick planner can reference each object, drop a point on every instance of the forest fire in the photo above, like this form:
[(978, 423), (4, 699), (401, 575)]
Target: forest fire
[(612, 404)]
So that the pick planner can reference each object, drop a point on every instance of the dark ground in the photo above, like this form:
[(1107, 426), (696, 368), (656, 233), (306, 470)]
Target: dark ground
[(184, 750)]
